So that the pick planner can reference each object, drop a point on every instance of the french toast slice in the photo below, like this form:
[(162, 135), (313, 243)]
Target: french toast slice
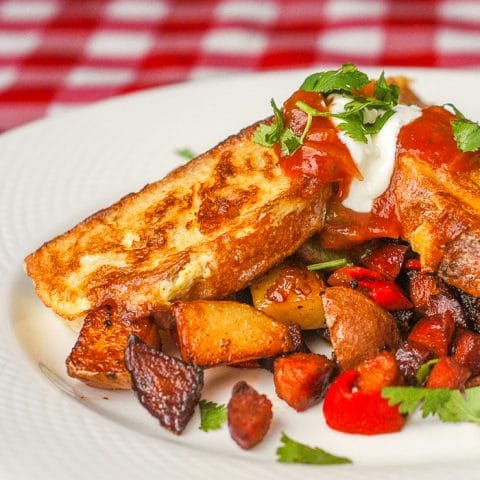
[(207, 229), (439, 210)]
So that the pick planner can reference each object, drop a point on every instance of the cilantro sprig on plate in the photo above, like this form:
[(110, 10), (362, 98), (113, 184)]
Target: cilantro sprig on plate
[(465, 131), (292, 451), (449, 405), (212, 415)]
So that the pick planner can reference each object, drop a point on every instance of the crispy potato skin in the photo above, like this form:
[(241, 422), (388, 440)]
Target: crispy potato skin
[(204, 231), (97, 357), (359, 328), (167, 387), (440, 215), (223, 332)]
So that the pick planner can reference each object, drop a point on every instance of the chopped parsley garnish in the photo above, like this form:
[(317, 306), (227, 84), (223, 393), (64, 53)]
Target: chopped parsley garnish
[(185, 153), (449, 405), (362, 116), (212, 415), (465, 131), (295, 452)]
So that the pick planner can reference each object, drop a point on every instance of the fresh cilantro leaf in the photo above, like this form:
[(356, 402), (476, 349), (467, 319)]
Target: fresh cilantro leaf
[(346, 78), (408, 399), (467, 134), (465, 131), (385, 92), (353, 126), (268, 135), (289, 142), (381, 120), (295, 452), (424, 370), (212, 415), (185, 153), (462, 407)]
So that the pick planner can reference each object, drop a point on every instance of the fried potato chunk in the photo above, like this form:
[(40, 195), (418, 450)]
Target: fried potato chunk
[(291, 294), (98, 355), (249, 415), (223, 332), (167, 387), (359, 328)]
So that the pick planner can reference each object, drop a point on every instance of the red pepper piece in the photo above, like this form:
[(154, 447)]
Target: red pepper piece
[(435, 332), (366, 413), (448, 373), (386, 293), (378, 372), (386, 260), (343, 277), (467, 350)]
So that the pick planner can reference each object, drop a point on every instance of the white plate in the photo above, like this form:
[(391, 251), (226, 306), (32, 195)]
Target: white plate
[(53, 174)]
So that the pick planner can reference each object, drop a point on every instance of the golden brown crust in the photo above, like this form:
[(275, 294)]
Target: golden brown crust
[(98, 355), (440, 216), (204, 231)]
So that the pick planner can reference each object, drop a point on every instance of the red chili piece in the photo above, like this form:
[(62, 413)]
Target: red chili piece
[(366, 413), (385, 292)]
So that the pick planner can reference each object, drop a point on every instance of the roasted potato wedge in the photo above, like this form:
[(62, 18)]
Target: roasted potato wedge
[(98, 355), (291, 295), (359, 328), (223, 332)]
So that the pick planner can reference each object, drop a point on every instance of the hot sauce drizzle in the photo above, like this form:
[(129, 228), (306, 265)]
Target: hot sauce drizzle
[(324, 156)]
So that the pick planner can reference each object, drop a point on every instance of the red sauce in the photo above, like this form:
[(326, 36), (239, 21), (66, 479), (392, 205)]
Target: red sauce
[(325, 157), (430, 138)]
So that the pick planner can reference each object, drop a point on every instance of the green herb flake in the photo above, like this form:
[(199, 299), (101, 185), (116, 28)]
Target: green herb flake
[(449, 405), (424, 370), (185, 153), (346, 78), (295, 452), (337, 263), (268, 135), (466, 134), (212, 415)]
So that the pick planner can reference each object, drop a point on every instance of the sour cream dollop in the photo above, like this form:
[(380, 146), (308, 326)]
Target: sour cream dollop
[(375, 159)]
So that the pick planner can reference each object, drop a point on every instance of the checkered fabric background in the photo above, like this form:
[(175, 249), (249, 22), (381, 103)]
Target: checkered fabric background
[(57, 54)]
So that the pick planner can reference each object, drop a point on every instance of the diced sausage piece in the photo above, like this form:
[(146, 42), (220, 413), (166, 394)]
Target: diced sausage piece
[(447, 303), (301, 379), (467, 350), (359, 328), (410, 356), (431, 296), (378, 372), (473, 382), (421, 286), (167, 387), (224, 332), (98, 355), (435, 332), (471, 307), (387, 260), (249, 415), (448, 373)]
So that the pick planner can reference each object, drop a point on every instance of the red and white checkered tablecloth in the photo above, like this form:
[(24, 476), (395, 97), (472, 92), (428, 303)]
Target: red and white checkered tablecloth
[(56, 54)]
